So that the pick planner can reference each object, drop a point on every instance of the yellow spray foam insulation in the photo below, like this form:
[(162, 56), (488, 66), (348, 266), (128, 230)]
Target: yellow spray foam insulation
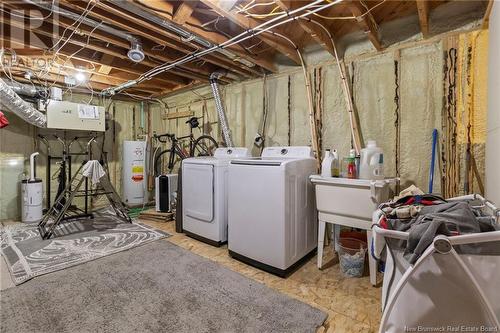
[(472, 87)]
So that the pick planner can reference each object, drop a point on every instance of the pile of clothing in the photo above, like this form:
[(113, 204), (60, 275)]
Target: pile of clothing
[(424, 216)]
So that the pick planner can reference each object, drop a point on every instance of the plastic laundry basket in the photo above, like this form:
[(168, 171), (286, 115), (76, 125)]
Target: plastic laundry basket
[(352, 254), (445, 287)]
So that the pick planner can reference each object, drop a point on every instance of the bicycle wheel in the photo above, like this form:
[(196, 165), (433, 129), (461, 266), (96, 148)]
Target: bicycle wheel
[(205, 145), (162, 161)]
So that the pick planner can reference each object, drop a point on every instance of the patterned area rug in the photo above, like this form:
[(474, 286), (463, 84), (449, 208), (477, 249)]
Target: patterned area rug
[(75, 242)]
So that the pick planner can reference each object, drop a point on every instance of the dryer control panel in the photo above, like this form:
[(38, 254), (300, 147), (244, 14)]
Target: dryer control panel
[(288, 152)]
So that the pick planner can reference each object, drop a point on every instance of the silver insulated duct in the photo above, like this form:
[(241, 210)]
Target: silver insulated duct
[(12, 102), (226, 132)]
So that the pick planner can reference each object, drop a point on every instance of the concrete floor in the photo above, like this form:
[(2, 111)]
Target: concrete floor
[(352, 304)]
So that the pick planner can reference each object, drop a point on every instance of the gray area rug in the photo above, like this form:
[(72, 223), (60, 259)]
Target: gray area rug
[(158, 287), (75, 242)]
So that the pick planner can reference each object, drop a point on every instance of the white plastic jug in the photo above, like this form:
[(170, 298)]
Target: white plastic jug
[(372, 162), (326, 165)]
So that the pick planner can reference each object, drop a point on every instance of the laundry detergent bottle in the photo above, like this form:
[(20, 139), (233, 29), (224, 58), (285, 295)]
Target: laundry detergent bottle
[(372, 162), (326, 165)]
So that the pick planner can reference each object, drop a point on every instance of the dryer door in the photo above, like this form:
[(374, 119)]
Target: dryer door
[(198, 191)]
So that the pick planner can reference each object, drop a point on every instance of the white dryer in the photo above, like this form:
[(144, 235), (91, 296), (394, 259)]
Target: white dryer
[(271, 209), (204, 195)]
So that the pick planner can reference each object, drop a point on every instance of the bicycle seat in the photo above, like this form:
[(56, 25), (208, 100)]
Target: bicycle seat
[(193, 122)]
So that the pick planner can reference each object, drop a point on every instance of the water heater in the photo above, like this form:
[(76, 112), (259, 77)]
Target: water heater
[(32, 196), (134, 172)]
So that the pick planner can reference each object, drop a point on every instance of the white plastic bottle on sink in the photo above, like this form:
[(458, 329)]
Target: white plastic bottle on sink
[(326, 165), (372, 162)]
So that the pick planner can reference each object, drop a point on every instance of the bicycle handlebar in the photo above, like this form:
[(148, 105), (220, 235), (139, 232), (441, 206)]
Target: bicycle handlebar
[(164, 137)]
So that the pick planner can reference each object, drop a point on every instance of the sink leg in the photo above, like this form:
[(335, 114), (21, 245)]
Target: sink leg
[(321, 242)]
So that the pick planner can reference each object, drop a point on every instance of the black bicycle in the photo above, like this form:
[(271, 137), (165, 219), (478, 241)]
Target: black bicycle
[(204, 145)]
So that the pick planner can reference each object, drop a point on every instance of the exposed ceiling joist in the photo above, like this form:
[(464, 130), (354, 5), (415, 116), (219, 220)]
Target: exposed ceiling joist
[(112, 51), (423, 16), (366, 22), (486, 18), (247, 23), (194, 25), (184, 11), (177, 47), (312, 29)]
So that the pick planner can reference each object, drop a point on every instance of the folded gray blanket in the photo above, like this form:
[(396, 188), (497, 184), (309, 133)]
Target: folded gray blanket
[(447, 219)]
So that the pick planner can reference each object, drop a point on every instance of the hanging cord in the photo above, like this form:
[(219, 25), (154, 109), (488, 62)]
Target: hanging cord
[(346, 88), (318, 108), (453, 168), (289, 110), (264, 113), (467, 180), (312, 122), (397, 116)]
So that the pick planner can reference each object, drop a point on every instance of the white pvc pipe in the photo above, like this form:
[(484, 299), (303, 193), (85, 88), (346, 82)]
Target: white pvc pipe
[(32, 165)]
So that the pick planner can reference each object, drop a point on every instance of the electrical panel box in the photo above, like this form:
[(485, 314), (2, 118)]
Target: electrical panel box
[(75, 116)]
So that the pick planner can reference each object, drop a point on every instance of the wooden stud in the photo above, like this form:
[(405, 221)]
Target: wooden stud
[(311, 29), (184, 11), (486, 18), (193, 24), (423, 16), (366, 22), (250, 23)]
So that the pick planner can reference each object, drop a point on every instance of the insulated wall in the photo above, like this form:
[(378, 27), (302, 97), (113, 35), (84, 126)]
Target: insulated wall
[(410, 74), (398, 95), (493, 136)]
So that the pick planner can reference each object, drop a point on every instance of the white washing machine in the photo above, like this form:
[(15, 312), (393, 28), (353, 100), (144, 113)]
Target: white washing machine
[(271, 209), (204, 195)]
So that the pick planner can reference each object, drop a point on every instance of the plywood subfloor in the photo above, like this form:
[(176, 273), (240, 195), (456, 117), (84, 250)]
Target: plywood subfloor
[(353, 305)]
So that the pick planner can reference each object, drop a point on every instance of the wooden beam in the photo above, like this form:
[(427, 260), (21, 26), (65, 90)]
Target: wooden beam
[(423, 16), (486, 18), (247, 23), (366, 22), (184, 11), (311, 29)]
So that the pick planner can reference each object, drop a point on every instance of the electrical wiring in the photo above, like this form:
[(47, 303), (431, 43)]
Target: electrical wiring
[(80, 21), (216, 29), (368, 11), (67, 59), (30, 17), (271, 13), (2, 52), (252, 4)]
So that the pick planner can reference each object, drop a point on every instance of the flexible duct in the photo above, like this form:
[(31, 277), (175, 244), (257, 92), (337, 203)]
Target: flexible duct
[(22, 89), (11, 100), (219, 106)]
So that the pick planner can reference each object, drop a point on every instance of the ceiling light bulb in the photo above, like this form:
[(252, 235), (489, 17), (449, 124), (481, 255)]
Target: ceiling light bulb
[(80, 77), (136, 54)]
